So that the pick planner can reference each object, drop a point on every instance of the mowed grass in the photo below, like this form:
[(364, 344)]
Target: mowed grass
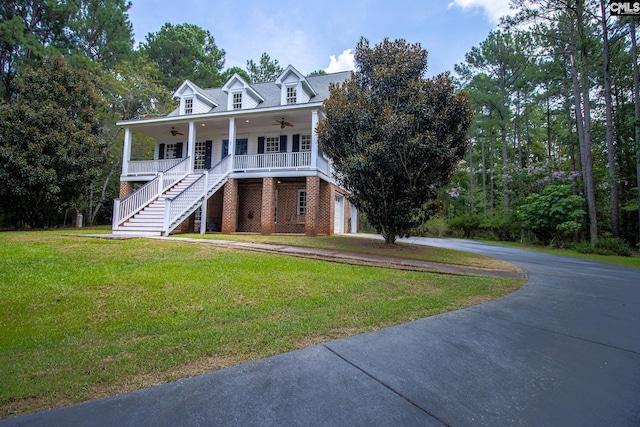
[(84, 318)]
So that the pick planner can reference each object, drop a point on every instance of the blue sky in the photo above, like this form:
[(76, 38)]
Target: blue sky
[(314, 35)]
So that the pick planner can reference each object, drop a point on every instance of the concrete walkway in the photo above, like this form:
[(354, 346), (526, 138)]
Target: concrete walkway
[(562, 351)]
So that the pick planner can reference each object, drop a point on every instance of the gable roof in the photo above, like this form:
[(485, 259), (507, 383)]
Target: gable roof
[(268, 92)]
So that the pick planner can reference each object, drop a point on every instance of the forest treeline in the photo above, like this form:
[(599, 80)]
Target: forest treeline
[(554, 154), (554, 145)]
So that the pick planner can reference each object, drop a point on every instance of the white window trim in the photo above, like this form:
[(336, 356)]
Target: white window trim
[(273, 141), (307, 140), (291, 100), (301, 209), (190, 110), (235, 106)]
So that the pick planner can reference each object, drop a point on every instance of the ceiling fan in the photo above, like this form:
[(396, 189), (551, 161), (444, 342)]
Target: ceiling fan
[(175, 131), (283, 123)]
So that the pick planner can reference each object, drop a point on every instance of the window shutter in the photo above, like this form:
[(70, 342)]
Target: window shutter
[(207, 154), (283, 143), (179, 146), (296, 143), (261, 145), (161, 151)]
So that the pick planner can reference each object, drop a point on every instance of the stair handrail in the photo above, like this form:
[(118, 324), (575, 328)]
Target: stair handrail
[(176, 206), (128, 206), (185, 201)]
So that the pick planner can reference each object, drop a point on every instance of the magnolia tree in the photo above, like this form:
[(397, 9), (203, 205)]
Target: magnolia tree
[(394, 136)]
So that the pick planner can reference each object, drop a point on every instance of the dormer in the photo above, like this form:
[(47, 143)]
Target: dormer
[(294, 87), (240, 94), (193, 100)]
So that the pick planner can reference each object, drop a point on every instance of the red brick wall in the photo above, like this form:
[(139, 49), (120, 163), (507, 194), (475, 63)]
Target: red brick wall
[(268, 206), (249, 206), (214, 208), (287, 207), (230, 206), (313, 205), (126, 188)]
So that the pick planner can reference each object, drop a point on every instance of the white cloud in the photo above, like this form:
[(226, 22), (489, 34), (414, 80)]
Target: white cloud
[(344, 62), (494, 9)]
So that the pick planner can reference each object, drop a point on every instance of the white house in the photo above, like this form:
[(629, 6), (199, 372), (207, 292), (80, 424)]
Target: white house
[(271, 178)]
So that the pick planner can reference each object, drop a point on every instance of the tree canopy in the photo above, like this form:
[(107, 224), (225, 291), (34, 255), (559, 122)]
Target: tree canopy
[(264, 71), (394, 136), (183, 52), (50, 149)]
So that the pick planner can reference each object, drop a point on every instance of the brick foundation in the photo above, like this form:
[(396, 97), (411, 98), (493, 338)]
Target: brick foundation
[(126, 188), (230, 207)]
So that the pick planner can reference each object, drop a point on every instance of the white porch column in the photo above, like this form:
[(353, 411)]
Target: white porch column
[(314, 139), (191, 145), (126, 152), (232, 136)]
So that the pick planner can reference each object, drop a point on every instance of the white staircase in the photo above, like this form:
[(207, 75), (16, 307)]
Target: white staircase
[(150, 220)]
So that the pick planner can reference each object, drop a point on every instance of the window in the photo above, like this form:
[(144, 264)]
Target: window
[(305, 142), (170, 151), (272, 144), (201, 148), (242, 146), (237, 101), (291, 95), (302, 202), (188, 106)]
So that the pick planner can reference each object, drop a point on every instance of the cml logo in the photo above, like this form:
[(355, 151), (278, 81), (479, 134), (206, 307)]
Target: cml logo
[(622, 8)]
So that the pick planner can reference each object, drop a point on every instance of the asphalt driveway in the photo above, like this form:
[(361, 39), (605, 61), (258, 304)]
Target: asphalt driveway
[(562, 351)]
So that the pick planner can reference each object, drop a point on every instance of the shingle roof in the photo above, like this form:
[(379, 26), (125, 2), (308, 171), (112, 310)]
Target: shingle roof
[(271, 92)]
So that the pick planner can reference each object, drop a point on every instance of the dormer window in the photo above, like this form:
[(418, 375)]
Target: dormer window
[(188, 106), (237, 101), (291, 95)]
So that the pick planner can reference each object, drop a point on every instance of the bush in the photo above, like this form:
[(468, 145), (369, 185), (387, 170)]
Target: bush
[(468, 224), (605, 246), (613, 246)]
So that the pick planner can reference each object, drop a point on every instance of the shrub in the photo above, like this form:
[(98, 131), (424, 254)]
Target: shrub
[(613, 246), (468, 224)]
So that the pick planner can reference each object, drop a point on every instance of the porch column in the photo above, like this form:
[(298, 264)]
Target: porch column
[(313, 202), (232, 136), (191, 145), (314, 139), (126, 152), (230, 207), (268, 206)]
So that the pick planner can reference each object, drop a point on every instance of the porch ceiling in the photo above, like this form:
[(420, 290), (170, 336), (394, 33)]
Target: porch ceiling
[(245, 123)]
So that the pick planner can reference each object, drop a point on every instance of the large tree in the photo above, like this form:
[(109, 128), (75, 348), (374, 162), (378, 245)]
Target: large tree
[(264, 71), (394, 136), (50, 150), (185, 51)]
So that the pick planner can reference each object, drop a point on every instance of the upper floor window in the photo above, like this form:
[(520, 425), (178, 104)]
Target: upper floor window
[(291, 95), (305, 142), (272, 144), (170, 151), (237, 101), (188, 106)]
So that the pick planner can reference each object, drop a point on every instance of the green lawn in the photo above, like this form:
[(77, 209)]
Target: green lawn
[(83, 318)]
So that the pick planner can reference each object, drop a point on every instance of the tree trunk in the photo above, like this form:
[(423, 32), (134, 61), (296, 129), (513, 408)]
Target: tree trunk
[(611, 154), (636, 101), (579, 76)]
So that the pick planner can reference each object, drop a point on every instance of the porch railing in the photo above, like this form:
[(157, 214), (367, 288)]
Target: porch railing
[(151, 167), (272, 161), (185, 203), (127, 207)]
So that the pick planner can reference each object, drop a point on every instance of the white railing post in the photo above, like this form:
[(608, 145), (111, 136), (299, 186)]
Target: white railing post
[(115, 221), (167, 215), (314, 139), (160, 183)]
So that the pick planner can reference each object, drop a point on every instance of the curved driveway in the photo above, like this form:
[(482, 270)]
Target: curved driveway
[(562, 351)]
